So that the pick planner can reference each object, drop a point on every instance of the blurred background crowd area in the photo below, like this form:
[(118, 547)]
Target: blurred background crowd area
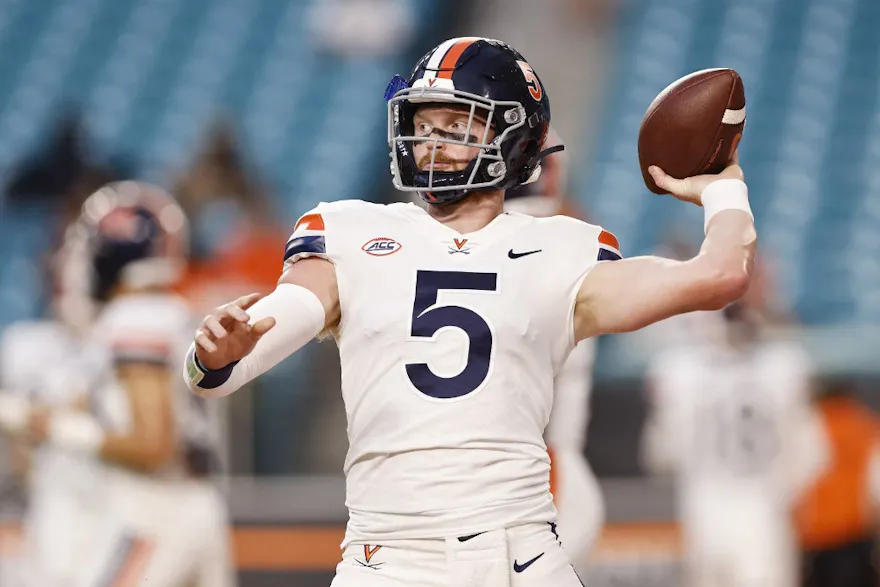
[(252, 111)]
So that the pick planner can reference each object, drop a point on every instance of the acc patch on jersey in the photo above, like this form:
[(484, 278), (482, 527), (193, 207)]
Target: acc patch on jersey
[(381, 246)]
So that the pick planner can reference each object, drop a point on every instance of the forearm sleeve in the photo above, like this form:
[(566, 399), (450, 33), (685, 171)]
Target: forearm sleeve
[(299, 317)]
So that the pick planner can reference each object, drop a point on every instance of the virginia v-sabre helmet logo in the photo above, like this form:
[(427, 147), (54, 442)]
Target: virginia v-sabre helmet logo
[(496, 83)]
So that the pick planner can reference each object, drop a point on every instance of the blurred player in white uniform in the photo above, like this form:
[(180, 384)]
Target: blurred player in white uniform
[(45, 364), (580, 507), (453, 321), (149, 441), (62, 511), (733, 420)]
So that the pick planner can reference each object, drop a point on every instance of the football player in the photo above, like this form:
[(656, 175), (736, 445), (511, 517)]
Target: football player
[(580, 508), (453, 321), (733, 421), (60, 520), (149, 441), (61, 513)]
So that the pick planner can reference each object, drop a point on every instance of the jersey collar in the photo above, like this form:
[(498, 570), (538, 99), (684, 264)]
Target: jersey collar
[(500, 226)]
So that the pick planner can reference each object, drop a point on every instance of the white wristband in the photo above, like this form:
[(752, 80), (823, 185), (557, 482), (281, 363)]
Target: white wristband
[(75, 431), (725, 194)]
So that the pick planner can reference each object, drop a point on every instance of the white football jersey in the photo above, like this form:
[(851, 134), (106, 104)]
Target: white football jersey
[(570, 416), (449, 345), (580, 508), (45, 361), (154, 328), (739, 429), (736, 425)]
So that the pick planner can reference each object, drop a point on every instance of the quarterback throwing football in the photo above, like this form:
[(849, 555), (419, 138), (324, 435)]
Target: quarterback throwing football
[(452, 322)]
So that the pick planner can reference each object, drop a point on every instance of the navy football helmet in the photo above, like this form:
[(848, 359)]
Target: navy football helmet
[(496, 83), (128, 233)]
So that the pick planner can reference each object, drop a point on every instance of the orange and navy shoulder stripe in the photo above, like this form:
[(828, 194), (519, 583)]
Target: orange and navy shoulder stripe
[(609, 248), (313, 221), (307, 238)]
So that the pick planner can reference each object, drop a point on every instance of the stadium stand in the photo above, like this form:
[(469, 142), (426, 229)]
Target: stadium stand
[(811, 146), (149, 77)]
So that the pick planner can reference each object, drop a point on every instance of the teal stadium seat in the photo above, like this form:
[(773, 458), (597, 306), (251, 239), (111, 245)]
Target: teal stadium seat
[(811, 149)]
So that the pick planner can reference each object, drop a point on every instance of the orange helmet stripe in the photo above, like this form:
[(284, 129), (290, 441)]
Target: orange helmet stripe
[(447, 65)]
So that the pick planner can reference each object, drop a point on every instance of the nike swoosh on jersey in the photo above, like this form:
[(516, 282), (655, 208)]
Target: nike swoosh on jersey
[(466, 538), (513, 255), (519, 568)]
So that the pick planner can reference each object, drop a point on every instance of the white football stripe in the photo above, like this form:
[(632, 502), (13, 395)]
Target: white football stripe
[(437, 57), (734, 116), (305, 232)]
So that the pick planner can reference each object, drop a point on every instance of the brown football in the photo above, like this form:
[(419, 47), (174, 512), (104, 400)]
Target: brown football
[(693, 126)]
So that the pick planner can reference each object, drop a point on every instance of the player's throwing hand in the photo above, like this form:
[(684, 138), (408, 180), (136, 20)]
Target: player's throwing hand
[(226, 336), (690, 189)]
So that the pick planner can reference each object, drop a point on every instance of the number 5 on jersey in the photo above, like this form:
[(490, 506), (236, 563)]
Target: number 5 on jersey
[(428, 319)]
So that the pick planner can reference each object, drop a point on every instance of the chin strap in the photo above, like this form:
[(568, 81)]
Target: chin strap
[(550, 151), (537, 171)]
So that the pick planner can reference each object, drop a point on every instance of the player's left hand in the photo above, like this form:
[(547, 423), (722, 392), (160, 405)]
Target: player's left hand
[(690, 189), (226, 336)]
